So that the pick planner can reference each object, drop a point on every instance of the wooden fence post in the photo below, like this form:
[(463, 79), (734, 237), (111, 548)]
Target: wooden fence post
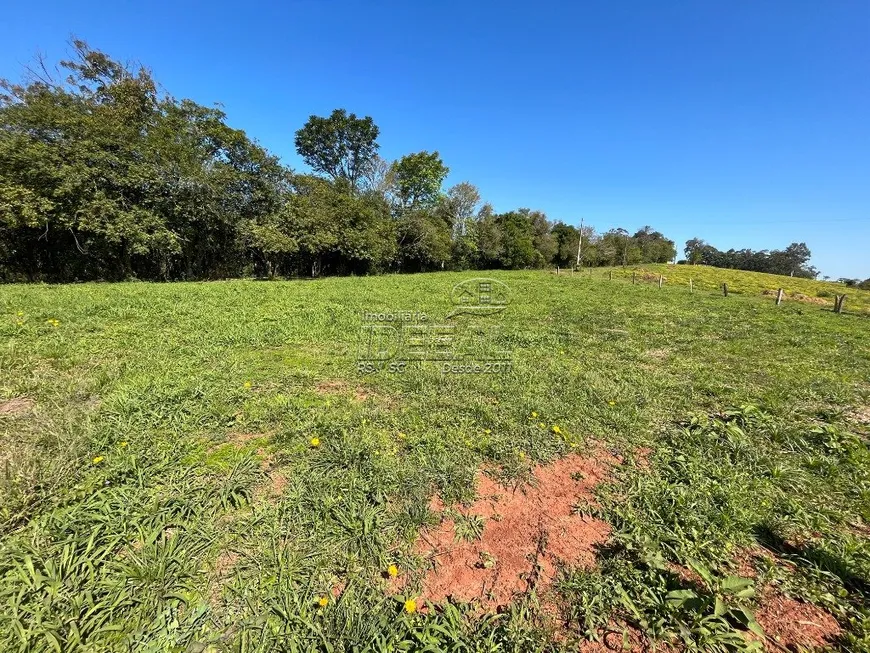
[(779, 297), (557, 270), (725, 289), (838, 303), (633, 276), (691, 286), (661, 278), (611, 275)]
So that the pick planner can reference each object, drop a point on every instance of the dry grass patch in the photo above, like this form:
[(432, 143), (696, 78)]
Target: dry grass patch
[(16, 406)]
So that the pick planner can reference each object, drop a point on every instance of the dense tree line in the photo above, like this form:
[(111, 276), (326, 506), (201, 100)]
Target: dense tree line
[(854, 283), (103, 176), (792, 261)]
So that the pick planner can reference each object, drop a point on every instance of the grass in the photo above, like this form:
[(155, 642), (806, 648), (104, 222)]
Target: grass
[(806, 291), (163, 492)]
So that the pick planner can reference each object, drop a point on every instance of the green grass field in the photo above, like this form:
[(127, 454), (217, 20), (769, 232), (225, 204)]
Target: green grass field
[(201, 466), (806, 291)]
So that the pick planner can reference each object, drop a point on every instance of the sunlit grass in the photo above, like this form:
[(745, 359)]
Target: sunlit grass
[(810, 292), (204, 462)]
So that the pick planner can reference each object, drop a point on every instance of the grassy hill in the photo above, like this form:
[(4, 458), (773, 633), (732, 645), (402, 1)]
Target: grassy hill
[(222, 466), (808, 291)]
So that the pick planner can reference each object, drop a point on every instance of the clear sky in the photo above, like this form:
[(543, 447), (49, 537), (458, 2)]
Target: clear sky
[(743, 122)]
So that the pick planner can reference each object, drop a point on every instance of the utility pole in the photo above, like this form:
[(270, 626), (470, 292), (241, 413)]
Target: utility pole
[(580, 243)]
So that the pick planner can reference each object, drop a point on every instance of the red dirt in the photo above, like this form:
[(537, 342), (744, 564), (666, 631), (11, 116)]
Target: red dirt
[(616, 638), (861, 414), (271, 489), (16, 406), (339, 387), (793, 624), (528, 532), (279, 482), (223, 568), (241, 439), (330, 387)]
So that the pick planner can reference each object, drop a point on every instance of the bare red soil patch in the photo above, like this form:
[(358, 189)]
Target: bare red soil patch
[(271, 489), (339, 387), (223, 568), (793, 624), (860, 414), (625, 640), (528, 532), (16, 406), (330, 387), (242, 439), (277, 483)]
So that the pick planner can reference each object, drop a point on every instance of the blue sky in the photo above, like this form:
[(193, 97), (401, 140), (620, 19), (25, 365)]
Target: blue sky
[(745, 123)]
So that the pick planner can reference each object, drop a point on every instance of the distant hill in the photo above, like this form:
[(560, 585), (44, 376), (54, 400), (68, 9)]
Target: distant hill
[(707, 278)]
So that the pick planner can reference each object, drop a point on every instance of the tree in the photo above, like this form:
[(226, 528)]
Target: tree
[(655, 248), (797, 255), (378, 178), (542, 240), (694, 250), (341, 146), (460, 204), (103, 177), (488, 238), (517, 241), (338, 230), (791, 261), (418, 178), (567, 239), (424, 239)]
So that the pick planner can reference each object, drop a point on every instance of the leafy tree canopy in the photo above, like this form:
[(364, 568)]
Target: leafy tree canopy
[(340, 146), (418, 178)]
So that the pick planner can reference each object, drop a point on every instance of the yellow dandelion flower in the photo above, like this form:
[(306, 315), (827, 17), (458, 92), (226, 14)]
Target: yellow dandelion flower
[(124, 444), (20, 313), (562, 352), (541, 424), (248, 385), (392, 571), (315, 442), (323, 601), (98, 460), (487, 431), (556, 429), (611, 403), (534, 414), (410, 606), (402, 436)]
